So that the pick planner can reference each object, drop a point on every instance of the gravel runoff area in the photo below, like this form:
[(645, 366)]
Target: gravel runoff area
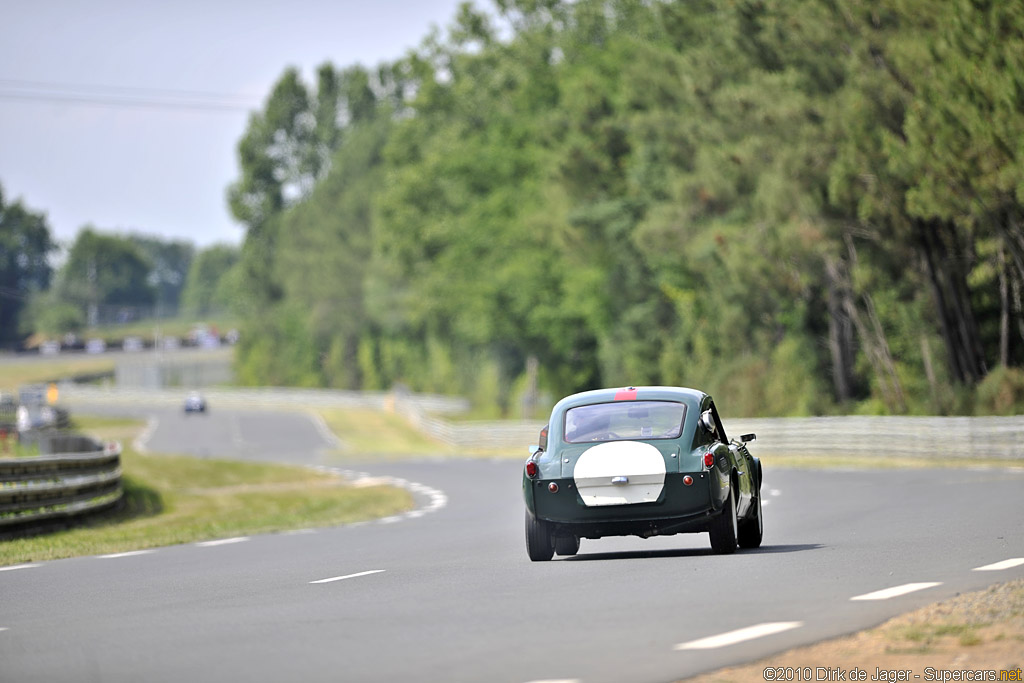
[(976, 636)]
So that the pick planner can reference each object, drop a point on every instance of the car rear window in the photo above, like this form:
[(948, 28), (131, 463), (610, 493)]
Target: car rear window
[(624, 420)]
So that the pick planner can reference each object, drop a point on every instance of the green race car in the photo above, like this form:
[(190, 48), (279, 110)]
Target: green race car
[(643, 461)]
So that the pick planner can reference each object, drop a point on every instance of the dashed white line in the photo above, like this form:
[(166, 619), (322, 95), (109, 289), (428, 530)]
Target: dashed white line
[(774, 492), (130, 553), (223, 541), (348, 576), (18, 566), (997, 566), (739, 635), (896, 591), (557, 680), (4, 628)]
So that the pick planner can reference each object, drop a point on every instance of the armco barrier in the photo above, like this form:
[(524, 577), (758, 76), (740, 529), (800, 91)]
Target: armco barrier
[(75, 475), (922, 437), (970, 438)]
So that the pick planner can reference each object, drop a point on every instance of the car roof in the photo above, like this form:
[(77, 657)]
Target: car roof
[(650, 393)]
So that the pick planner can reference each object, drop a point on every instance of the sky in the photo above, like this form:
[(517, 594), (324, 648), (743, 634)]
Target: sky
[(194, 70)]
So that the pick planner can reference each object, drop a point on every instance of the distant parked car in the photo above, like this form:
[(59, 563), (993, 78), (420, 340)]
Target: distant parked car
[(195, 403), (132, 344), (643, 461), (95, 346)]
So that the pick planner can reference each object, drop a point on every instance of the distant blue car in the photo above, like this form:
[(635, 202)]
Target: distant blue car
[(643, 461), (195, 403)]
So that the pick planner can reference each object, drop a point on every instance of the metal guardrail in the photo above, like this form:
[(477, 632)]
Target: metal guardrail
[(75, 475), (970, 438)]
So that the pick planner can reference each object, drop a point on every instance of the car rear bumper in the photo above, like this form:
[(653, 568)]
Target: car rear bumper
[(680, 508)]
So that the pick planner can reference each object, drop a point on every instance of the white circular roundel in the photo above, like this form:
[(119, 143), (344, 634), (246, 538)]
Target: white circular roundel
[(620, 473)]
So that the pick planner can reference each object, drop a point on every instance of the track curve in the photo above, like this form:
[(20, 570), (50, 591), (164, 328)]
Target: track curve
[(451, 596)]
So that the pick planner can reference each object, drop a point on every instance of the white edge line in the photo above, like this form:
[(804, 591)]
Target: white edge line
[(325, 432), (3, 628), (223, 541), (142, 440), (18, 566), (739, 635), (348, 576), (130, 553), (997, 566), (896, 591)]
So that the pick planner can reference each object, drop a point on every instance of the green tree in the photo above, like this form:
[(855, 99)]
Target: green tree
[(107, 277), (25, 249), (211, 285), (171, 261)]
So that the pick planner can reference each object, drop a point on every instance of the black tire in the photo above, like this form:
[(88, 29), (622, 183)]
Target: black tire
[(724, 528), (751, 529), (567, 545), (539, 545)]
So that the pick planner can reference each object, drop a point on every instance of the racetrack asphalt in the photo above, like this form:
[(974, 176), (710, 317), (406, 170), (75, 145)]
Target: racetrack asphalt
[(450, 595)]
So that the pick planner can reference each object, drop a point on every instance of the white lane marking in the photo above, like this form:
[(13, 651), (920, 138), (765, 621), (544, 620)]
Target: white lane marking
[(765, 502), (739, 635), (325, 432), (896, 591), (348, 576), (557, 680), (436, 498), (18, 566), (3, 628), (130, 553), (299, 532), (223, 541), (1005, 564), (774, 492), (141, 443)]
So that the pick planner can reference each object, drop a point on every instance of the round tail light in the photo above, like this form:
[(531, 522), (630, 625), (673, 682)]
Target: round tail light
[(709, 459), (531, 469)]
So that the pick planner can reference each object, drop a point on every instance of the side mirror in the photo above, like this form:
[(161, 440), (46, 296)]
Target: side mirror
[(543, 438), (708, 422), (747, 438)]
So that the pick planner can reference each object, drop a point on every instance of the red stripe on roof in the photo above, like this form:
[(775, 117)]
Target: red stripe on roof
[(626, 394)]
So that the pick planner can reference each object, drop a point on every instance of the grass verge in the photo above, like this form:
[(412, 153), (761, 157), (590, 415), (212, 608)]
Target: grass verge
[(978, 631), (177, 499), (377, 435), (15, 372)]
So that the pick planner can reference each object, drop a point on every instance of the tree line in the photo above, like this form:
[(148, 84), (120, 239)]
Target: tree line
[(803, 206), (104, 278)]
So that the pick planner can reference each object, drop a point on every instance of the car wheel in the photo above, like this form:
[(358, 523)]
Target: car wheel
[(752, 528), (539, 545), (567, 545), (723, 529)]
